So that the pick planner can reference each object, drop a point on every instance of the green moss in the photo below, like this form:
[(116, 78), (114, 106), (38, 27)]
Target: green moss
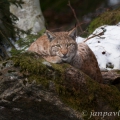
[(107, 18), (89, 97), (34, 65), (83, 99), (28, 62), (118, 71)]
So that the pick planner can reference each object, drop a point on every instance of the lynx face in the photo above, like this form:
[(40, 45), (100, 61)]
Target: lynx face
[(63, 44)]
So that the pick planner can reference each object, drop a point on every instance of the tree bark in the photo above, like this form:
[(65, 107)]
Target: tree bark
[(30, 16)]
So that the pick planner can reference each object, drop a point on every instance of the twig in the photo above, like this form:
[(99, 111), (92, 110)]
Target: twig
[(94, 35), (75, 15)]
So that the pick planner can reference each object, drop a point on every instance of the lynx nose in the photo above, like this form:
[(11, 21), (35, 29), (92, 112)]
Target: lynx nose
[(65, 55), (64, 52)]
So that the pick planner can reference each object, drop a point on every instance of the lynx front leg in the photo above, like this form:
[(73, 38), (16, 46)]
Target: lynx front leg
[(53, 59)]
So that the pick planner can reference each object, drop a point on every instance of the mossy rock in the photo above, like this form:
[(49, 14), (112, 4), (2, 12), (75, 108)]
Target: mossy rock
[(107, 18), (75, 88)]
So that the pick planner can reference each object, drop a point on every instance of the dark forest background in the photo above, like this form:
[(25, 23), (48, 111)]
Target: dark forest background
[(59, 15)]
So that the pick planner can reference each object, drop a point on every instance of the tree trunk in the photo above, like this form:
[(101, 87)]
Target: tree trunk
[(30, 16)]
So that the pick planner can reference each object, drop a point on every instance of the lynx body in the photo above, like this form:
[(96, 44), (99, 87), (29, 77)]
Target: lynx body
[(60, 47)]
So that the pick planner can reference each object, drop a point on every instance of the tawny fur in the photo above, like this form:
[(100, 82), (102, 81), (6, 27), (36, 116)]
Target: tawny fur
[(61, 47)]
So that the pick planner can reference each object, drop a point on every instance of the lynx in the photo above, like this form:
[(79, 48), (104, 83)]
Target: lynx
[(58, 47)]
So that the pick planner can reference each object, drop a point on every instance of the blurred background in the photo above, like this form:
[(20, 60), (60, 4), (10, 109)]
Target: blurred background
[(59, 16)]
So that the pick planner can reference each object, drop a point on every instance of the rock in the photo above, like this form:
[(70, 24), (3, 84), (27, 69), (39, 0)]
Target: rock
[(111, 77), (30, 89), (21, 100), (74, 79), (30, 16)]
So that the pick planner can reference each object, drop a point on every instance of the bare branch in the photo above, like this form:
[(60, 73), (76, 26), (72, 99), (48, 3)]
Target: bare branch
[(75, 15), (94, 35)]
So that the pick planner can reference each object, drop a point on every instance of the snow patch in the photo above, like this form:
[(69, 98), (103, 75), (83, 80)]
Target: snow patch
[(105, 47)]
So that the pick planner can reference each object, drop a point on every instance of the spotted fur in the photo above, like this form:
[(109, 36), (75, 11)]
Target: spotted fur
[(60, 47)]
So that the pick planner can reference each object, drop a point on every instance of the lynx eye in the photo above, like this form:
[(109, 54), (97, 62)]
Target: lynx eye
[(57, 45), (70, 44)]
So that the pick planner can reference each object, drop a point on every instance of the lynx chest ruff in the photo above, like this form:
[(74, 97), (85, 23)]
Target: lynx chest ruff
[(60, 47)]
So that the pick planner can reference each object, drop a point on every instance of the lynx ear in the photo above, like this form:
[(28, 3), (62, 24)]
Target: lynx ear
[(73, 33), (50, 35)]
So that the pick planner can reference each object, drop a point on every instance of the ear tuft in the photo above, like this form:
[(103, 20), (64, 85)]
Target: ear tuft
[(50, 35), (73, 33)]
